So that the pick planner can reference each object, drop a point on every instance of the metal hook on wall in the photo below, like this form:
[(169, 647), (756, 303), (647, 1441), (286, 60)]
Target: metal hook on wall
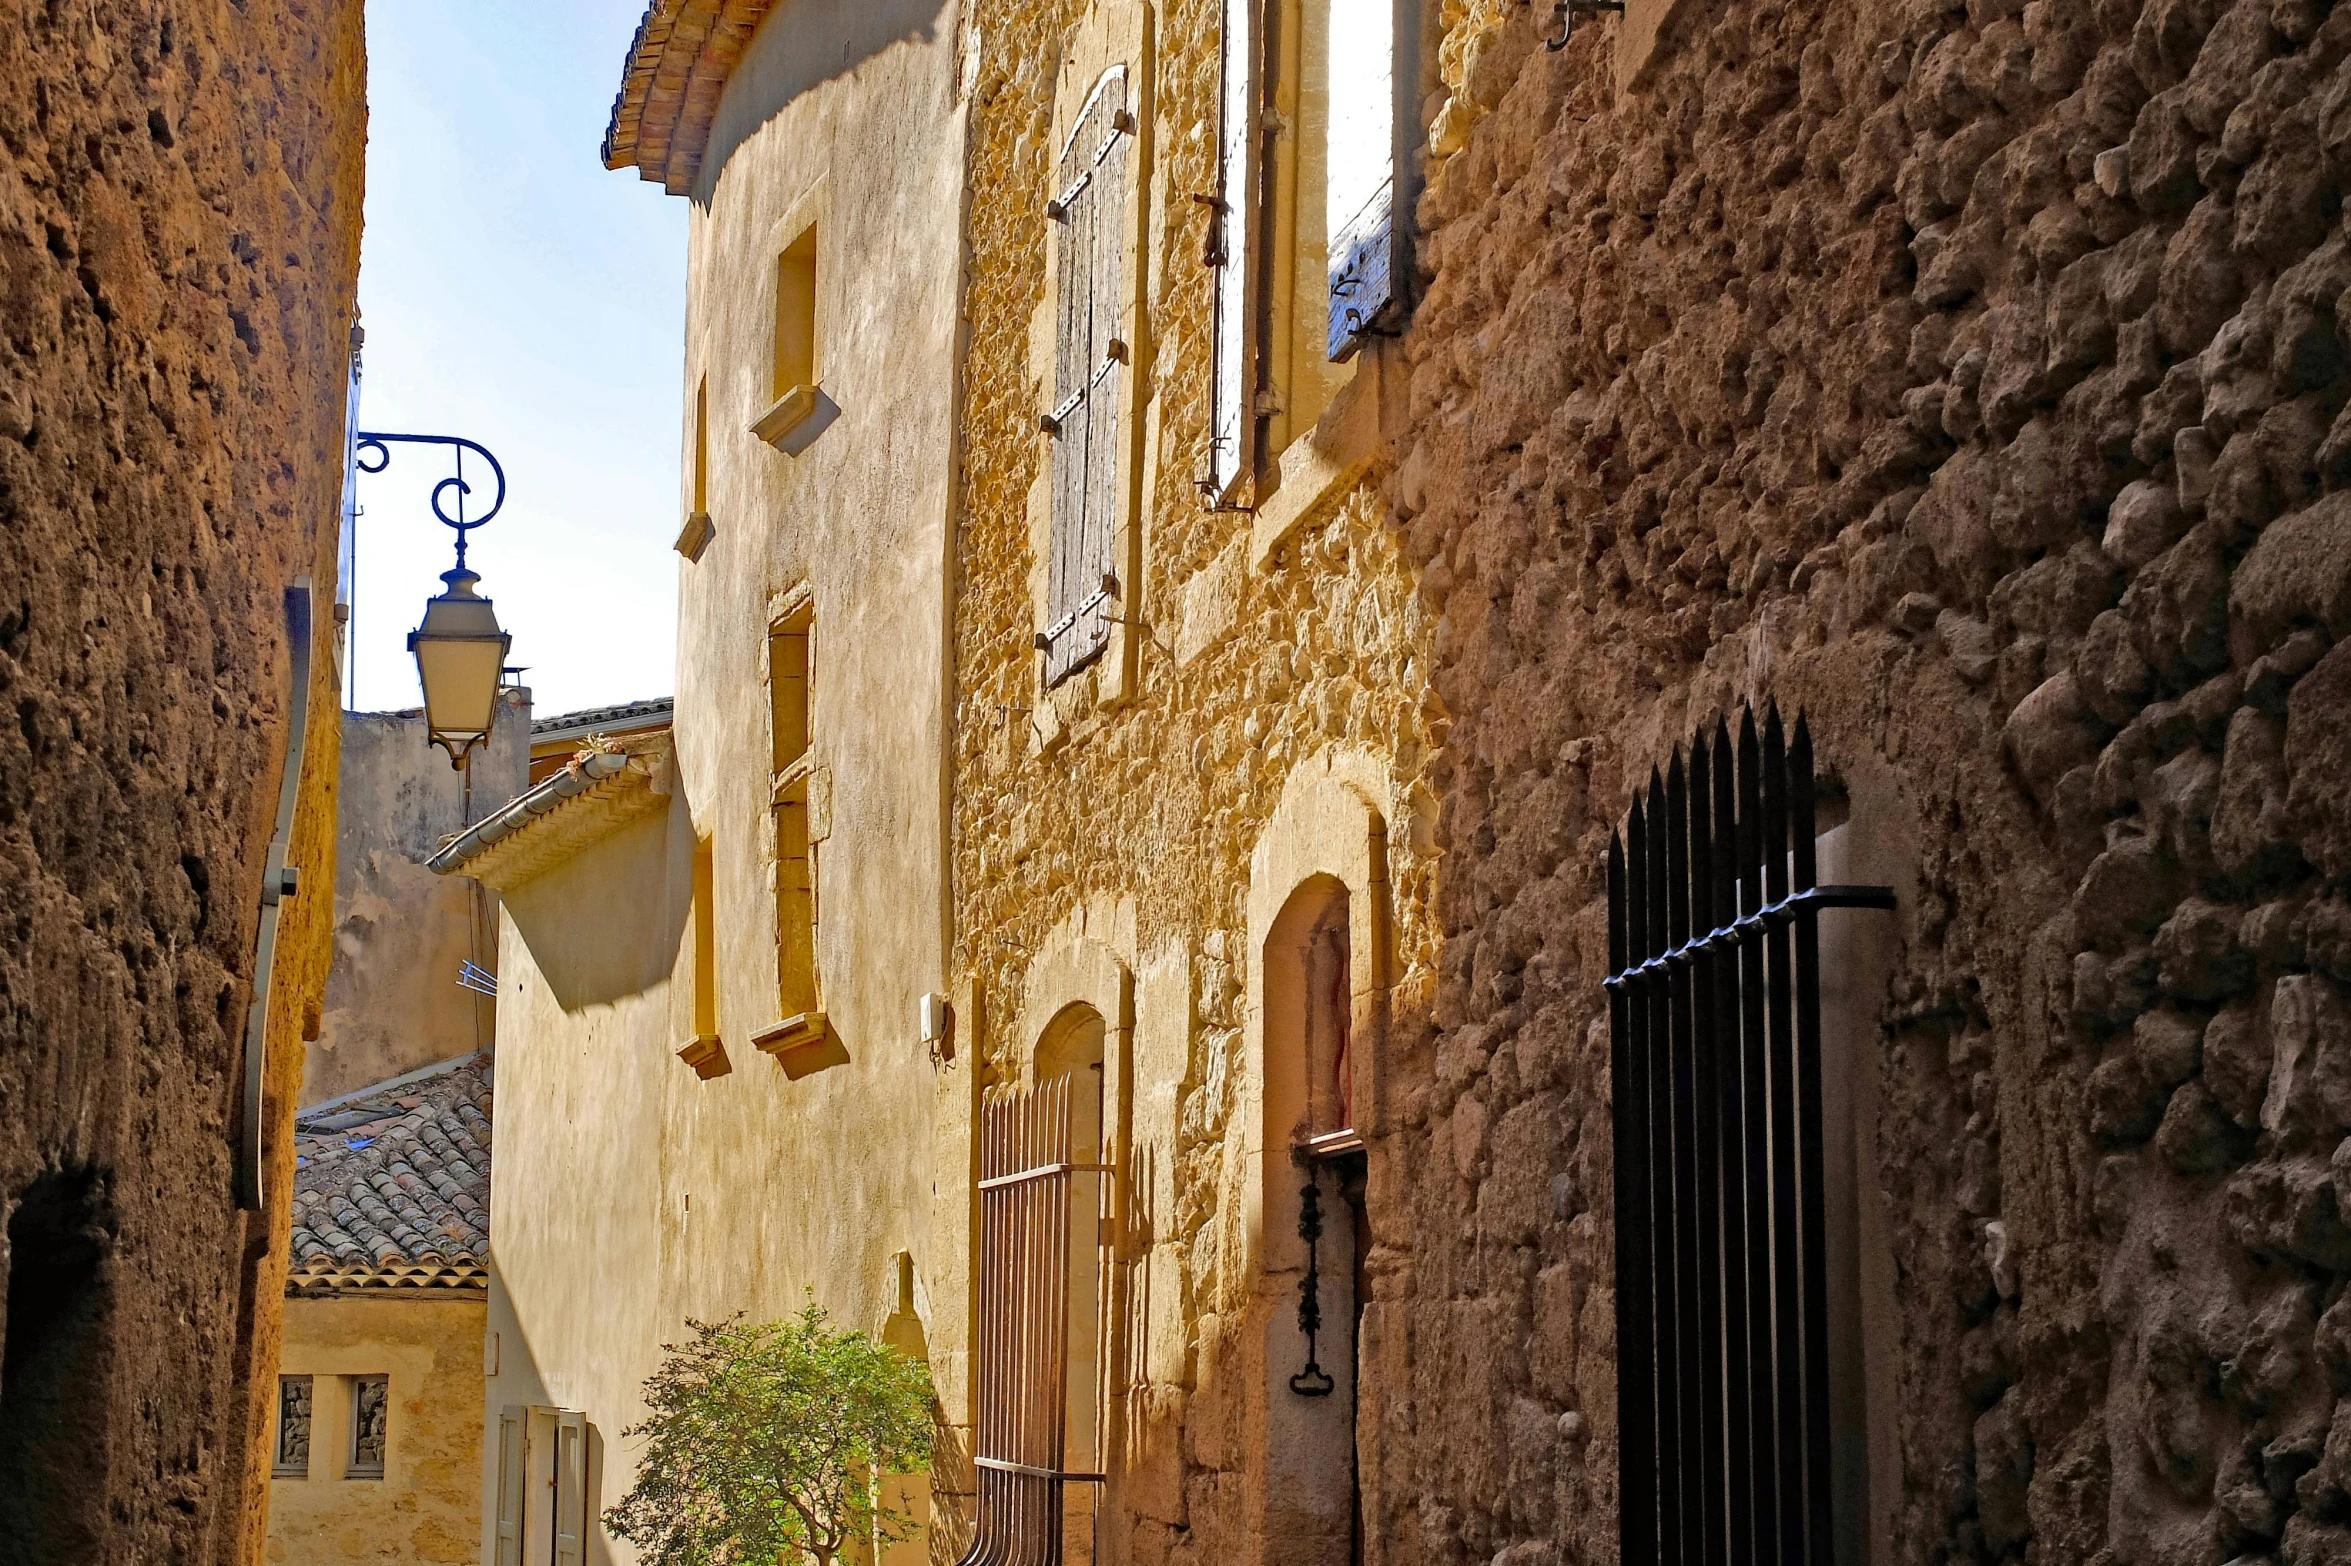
[(1566, 11)]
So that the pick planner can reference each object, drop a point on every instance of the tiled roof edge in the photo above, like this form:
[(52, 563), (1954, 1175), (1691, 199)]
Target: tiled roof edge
[(677, 66)]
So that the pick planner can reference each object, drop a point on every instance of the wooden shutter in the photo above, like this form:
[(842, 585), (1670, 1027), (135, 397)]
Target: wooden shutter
[(510, 1486), (1232, 234), (1360, 187), (1085, 422), (571, 1488)]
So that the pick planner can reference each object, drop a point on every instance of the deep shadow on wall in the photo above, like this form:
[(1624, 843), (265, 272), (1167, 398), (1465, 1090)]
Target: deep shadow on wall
[(1971, 380), (178, 249)]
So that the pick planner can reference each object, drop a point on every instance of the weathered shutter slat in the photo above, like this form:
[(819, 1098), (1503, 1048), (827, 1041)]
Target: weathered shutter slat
[(1085, 423), (1360, 187), (1231, 240), (510, 1486), (571, 1488)]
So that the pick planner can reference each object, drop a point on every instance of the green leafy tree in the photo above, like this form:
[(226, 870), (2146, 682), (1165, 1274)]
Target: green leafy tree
[(765, 1444)]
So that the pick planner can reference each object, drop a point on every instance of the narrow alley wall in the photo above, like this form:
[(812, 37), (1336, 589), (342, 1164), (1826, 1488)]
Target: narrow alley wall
[(179, 233), (1972, 379)]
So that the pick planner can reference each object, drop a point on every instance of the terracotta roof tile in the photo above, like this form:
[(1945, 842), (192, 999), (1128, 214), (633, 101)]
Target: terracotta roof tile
[(401, 1199), (677, 66)]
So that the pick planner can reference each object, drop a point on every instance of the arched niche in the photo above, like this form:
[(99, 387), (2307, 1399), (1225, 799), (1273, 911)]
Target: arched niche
[(1315, 1024)]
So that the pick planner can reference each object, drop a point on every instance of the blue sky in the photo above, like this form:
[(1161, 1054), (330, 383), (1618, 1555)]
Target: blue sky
[(517, 292)]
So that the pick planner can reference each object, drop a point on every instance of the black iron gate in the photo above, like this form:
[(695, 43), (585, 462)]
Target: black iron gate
[(1714, 1016)]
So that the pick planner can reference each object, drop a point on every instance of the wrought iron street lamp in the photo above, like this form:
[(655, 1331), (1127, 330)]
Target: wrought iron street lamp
[(460, 651)]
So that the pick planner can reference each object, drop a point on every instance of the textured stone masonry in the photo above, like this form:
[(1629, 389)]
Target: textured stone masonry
[(179, 235)]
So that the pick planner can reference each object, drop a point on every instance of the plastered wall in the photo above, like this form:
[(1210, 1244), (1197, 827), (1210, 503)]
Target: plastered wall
[(750, 1190), (393, 1002), (426, 1509), (179, 235)]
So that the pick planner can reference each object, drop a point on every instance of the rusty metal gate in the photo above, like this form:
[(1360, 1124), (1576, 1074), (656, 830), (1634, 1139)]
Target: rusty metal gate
[(1022, 1434)]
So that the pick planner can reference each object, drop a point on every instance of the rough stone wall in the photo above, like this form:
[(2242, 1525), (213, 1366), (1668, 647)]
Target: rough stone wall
[(1972, 378), (1153, 810), (179, 225)]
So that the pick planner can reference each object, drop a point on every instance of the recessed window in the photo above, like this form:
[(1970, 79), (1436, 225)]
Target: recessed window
[(371, 1413), (791, 690), (702, 444), (796, 359), (1305, 248), (292, 1460), (705, 941)]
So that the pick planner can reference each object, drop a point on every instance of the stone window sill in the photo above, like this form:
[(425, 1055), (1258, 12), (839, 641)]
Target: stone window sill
[(695, 536), (786, 415), (802, 1045), (707, 1055), (1315, 471)]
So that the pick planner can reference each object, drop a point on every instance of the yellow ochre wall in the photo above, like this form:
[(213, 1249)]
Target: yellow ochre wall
[(631, 1194), (426, 1510)]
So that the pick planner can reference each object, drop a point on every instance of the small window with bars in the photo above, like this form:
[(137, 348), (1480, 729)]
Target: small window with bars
[(292, 1457), (1727, 1420), (1089, 209), (371, 1415)]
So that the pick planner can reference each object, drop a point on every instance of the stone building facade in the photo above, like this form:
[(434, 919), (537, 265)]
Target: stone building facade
[(1215, 846), (179, 244), (719, 924), (376, 1415), (1963, 378), (1969, 378)]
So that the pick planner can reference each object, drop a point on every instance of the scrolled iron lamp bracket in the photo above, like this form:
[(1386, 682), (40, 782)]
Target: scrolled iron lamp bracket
[(1313, 1381), (1566, 12), (378, 442)]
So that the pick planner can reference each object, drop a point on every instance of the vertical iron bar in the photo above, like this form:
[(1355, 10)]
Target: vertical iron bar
[(1690, 1234), (1706, 1064), (1739, 1456), (1787, 1221), (1755, 1066), (1636, 1473), (1641, 1161), (1670, 1202), (1809, 1136)]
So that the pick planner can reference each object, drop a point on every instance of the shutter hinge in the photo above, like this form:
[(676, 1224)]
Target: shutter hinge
[(1267, 403)]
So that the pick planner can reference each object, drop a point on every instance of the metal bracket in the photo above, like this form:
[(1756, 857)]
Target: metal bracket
[(1567, 10), (1313, 1381)]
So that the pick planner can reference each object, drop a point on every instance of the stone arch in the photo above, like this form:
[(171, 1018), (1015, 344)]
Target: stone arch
[(1077, 1022), (1314, 1031)]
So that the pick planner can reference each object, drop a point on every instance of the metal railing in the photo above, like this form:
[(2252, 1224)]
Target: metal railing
[(1714, 1019)]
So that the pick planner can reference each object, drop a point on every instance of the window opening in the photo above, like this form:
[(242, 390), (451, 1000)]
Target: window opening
[(1723, 1369), (791, 689), (702, 445), (705, 1051), (371, 1411), (795, 326), (1085, 421), (292, 1460)]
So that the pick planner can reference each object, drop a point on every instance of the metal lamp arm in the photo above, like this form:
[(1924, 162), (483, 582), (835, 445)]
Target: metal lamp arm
[(378, 442)]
